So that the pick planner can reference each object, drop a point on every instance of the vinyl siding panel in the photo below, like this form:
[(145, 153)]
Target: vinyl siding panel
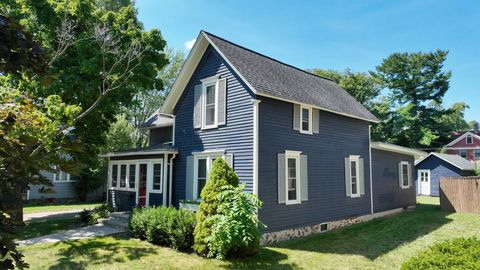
[(338, 138), (235, 137), (387, 193), (438, 169), (155, 199), (63, 190)]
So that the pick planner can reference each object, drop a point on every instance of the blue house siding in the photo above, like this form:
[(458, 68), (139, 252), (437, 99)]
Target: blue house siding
[(387, 193), (339, 137), (236, 137), (123, 200), (63, 190), (438, 169), (155, 199)]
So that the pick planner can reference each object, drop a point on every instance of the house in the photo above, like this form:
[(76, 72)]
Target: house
[(466, 145), (63, 187), (435, 166), (298, 141)]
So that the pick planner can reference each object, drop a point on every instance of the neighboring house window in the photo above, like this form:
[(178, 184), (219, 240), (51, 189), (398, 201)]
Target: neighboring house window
[(61, 176), (292, 165), (157, 177), (306, 120), (463, 153), (469, 139), (405, 174), (477, 153), (354, 176)]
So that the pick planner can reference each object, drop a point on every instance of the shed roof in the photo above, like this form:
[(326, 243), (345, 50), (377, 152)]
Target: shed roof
[(455, 160)]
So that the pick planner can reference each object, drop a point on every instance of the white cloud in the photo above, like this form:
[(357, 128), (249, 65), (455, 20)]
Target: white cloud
[(189, 44)]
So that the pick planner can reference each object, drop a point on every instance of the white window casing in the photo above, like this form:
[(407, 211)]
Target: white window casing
[(469, 139), (404, 174), (306, 119), (292, 180), (205, 158), (354, 176)]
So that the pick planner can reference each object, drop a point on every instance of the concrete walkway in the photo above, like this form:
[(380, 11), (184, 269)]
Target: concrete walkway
[(51, 215), (80, 233)]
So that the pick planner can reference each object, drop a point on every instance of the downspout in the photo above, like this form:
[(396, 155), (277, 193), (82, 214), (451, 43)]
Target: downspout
[(370, 163), (170, 180)]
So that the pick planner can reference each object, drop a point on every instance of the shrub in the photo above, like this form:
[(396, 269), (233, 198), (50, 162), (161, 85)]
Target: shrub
[(220, 175), (457, 253), (236, 227), (164, 226), (91, 216)]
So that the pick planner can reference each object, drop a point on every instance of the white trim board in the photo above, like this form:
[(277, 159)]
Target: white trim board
[(398, 149), (143, 153)]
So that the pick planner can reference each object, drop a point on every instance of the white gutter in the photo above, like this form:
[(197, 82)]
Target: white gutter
[(170, 180), (142, 153)]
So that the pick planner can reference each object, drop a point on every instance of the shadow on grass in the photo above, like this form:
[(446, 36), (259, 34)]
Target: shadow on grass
[(80, 254), (377, 237), (46, 226), (264, 259)]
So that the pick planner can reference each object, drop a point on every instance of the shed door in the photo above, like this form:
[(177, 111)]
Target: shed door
[(424, 182)]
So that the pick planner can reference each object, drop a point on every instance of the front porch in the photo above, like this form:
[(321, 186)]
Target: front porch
[(140, 177)]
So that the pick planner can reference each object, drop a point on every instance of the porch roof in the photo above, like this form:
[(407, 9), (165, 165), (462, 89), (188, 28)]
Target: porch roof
[(149, 150)]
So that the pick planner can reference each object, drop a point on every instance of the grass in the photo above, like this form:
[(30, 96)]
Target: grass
[(47, 226), (379, 244), (30, 209)]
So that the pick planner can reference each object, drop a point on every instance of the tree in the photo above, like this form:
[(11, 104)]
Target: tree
[(100, 57), (414, 80), (220, 175), (362, 86)]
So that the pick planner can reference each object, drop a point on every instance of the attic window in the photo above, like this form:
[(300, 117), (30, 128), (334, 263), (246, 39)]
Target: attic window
[(469, 139), (306, 120), (210, 106)]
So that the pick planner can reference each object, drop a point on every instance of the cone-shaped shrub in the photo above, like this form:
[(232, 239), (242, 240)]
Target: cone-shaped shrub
[(220, 175)]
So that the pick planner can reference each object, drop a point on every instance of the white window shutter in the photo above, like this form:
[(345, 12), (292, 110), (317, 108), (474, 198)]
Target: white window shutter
[(296, 117), (222, 101), (361, 176), (281, 184), (189, 178), (303, 178), (229, 160), (316, 120), (197, 111), (348, 184)]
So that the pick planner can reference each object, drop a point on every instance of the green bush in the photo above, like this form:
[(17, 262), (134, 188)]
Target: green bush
[(220, 175), (235, 227), (164, 226), (457, 253), (91, 216)]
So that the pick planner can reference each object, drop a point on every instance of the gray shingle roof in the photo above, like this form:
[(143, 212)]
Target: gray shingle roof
[(455, 160), (273, 78)]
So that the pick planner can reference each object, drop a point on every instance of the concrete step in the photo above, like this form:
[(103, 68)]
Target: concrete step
[(115, 223)]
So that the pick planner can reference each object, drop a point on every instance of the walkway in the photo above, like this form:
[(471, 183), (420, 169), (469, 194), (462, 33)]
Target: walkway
[(80, 233), (51, 215)]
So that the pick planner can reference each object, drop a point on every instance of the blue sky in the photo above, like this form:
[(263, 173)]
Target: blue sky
[(335, 34)]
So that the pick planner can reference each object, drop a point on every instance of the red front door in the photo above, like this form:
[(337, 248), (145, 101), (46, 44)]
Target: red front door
[(142, 185)]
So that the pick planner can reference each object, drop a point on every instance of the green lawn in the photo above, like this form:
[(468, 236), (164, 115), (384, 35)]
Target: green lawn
[(380, 244), (47, 226), (30, 209)]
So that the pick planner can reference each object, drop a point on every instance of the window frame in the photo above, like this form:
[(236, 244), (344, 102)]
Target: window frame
[(128, 163), (463, 150), (293, 155), (206, 83), (209, 156), (310, 115), (469, 137), (356, 159), (475, 156), (402, 163), (152, 164)]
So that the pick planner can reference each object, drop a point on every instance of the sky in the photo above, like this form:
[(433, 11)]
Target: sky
[(334, 34)]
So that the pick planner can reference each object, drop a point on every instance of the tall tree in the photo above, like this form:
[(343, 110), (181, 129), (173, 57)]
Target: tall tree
[(362, 86), (414, 80)]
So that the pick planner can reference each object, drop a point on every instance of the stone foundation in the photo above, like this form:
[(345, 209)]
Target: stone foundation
[(273, 237)]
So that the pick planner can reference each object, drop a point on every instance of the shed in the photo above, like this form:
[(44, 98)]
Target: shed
[(430, 169)]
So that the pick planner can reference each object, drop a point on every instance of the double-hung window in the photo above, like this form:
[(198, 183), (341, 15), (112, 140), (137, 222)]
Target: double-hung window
[(354, 173), (292, 166), (203, 165), (210, 106), (306, 120), (405, 174), (469, 139), (157, 177)]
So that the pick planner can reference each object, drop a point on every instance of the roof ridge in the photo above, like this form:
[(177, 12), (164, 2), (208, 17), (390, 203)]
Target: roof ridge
[(266, 56)]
